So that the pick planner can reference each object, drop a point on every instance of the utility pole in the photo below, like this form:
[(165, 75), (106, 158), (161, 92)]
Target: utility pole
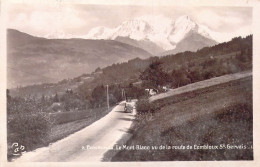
[(122, 94), (107, 98)]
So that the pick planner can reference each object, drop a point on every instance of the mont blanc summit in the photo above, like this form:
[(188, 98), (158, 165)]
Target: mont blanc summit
[(164, 32)]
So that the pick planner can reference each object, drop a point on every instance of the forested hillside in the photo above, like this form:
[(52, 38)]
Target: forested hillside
[(185, 67), (181, 69)]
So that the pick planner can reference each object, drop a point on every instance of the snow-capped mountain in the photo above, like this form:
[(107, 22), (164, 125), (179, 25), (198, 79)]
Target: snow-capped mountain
[(100, 33), (164, 32), (58, 34)]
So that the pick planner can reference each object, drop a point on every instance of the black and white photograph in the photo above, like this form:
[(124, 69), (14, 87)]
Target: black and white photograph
[(128, 83)]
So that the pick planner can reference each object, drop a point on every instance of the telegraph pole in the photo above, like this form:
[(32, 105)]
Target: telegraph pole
[(122, 94), (107, 98)]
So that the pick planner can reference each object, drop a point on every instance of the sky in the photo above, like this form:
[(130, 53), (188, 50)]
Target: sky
[(77, 20)]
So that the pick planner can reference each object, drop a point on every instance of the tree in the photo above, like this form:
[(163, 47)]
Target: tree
[(56, 98), (135, 92), (154, 76), (195, 75), (98, 96), (179, 78)]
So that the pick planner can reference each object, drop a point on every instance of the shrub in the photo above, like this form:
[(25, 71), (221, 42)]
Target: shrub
[(29, 129), (238, 112), (155, 107), (143, 106)]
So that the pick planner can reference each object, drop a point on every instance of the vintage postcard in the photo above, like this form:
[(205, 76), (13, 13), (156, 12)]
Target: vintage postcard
[(132, 82)]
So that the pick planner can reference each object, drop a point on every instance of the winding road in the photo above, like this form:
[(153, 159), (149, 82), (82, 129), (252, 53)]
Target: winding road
[(92, 142), (88, 144)]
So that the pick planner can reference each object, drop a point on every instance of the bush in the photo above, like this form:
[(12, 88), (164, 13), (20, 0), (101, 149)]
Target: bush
[(155, 107), (238, 112), (135, 92), (143, 106), (29, 130)]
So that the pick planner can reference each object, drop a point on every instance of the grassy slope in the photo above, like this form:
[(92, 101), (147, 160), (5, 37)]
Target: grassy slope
[(62, 130), (197, 86), (215, 115)]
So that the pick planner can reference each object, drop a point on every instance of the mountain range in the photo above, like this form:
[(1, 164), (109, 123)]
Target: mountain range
[(34, 60), (158, 34)]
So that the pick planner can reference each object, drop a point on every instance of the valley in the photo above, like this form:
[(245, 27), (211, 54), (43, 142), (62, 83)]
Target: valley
[(59, 89)]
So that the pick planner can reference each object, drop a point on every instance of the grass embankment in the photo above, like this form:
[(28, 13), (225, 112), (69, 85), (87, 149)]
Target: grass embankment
[(60, 131), (40, 129), (212, 116)]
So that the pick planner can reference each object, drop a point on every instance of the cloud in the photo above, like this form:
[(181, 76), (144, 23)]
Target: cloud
[(41, 21), (226, 36), (44, 19), (220, 22)]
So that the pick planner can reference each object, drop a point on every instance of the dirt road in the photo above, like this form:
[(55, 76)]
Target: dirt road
[(88, 144)]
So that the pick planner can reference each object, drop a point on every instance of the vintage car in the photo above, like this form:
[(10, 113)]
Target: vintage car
[(128, 108)]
